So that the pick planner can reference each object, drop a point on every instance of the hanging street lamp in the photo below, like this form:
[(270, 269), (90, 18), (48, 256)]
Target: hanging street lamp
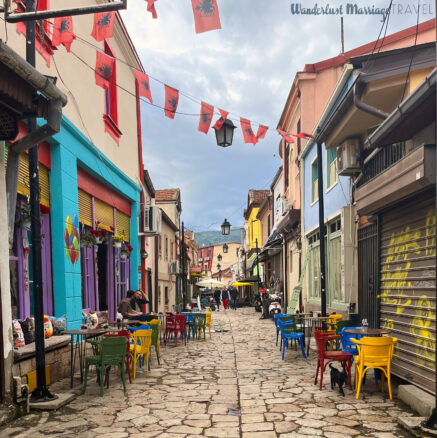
[(226, 227), (218, 266), (219, 257), (225, 248), (225, 134)]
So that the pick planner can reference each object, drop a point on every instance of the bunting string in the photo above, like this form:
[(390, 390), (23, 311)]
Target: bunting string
[(62, 33)]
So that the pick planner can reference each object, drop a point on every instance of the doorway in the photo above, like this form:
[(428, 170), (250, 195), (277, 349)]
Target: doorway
[(102, 251)]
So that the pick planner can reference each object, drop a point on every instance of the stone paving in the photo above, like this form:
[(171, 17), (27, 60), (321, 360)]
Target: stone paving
[(234, 385)]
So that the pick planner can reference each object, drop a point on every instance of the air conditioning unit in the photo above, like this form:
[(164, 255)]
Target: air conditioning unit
[(152, 220), (200, 259), (348, 157), (173, 267), (206, 259)]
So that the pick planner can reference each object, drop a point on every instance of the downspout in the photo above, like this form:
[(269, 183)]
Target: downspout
[(359, 88), (156, 275), (285, 270)]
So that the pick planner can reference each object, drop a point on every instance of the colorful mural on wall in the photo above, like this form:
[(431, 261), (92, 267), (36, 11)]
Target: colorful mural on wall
[(72, 239)]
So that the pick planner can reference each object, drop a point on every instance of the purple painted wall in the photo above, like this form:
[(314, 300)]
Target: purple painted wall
[(110, 280)]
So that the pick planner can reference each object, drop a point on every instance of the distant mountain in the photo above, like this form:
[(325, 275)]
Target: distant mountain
[(207, 238)]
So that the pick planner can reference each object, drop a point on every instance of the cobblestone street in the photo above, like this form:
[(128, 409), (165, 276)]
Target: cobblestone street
[(234, 385)]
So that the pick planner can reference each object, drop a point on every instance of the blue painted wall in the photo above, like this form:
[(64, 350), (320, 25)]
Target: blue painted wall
[(334, 200), (68, 149)]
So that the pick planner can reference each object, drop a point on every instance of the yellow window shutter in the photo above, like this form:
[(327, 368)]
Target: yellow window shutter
[(44, 185), (85, 208), (104, 214), (123, 225)]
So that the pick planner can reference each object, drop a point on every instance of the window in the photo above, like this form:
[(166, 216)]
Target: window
[(160, 246), (166, 295), (166, 247), (159, 294), (314, 181), (268, 225), (331, 162), (111, 101)]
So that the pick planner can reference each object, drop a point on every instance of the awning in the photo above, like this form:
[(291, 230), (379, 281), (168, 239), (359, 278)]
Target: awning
[(242, 283)]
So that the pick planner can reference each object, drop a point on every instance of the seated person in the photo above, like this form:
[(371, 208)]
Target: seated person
[(127, 306)]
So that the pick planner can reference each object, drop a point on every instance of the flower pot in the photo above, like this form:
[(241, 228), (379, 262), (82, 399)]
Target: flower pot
[(26, 224), (99, 240), (123, 256), (117, 244)]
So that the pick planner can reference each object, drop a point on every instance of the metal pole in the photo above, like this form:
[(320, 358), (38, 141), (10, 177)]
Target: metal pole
[(321, 228), (257, 262), (41, 391), (183, 266), (431, 422)]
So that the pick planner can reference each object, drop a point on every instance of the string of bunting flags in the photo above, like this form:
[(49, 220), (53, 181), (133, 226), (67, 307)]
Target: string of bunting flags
[(206, 18)]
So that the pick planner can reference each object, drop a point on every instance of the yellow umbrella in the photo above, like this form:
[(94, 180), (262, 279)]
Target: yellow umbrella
[(242, 283)]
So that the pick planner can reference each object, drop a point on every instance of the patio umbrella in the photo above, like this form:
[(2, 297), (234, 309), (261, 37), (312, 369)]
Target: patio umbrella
[(210, 282), (242, 283)]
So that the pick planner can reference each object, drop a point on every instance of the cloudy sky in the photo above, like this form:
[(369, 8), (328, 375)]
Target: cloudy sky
[(246, 68)]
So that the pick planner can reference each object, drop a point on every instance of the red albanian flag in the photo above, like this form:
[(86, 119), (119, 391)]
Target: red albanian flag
[(303, 135), (104, 70), (287, 137), (103, 25), (171, 101), (63, 32), (206, 112), (221, 120), (143, 85), (249, 136), (151, 8), (206, 15), (261, 133)]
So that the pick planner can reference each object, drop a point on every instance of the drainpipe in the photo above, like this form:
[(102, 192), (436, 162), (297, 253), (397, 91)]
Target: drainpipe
[(285, 271), (359, 88)]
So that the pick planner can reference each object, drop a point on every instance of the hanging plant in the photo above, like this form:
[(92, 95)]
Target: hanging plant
[(24, 216), (117, 240), (88, 240)]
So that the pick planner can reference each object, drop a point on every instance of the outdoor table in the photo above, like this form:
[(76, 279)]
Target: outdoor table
[(81, 336), (368, 331), (308, 323)]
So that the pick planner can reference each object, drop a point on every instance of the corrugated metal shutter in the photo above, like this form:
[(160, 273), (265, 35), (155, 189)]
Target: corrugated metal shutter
[(104, 214), (407, 279), (23, 180), (85, 208), (123, 225)]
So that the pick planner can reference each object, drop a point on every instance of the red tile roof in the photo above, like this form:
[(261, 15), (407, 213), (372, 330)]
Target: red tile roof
[(258, 196), (167, 195)]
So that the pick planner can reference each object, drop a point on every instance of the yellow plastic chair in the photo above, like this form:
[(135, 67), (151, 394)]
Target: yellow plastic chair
[(376, 353), (156, 336), (208, 322), (140, 347)]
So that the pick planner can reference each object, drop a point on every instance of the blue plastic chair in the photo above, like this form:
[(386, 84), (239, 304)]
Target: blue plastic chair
[(277, 325), (346, 344), (189, 325), (288, 332)]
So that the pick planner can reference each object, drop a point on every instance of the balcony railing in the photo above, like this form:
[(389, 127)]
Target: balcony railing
[(385, 158)]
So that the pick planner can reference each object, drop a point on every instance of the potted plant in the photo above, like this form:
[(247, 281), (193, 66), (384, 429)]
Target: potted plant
[(125, 251), (24, 220), (117, 240), (97, 235), (88, 240)]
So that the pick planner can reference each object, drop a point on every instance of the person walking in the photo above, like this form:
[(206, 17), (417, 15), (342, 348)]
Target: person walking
[(225, 298), (234, 297), (217, 297)]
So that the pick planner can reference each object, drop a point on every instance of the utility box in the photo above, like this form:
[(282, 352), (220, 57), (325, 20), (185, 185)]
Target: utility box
[(348, 157)]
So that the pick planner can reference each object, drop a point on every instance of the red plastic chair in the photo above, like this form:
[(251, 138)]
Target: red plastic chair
[(325, 357), (175, 325), (127, 335)]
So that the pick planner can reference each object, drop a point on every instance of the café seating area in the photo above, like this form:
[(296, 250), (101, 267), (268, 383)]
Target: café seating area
[(354, 349)]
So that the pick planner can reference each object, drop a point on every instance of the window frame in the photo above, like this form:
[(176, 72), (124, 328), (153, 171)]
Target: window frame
[(328, 169), (314, 196), (110, 115)]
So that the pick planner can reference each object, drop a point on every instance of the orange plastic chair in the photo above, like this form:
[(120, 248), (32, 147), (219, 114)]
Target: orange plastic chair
[(376, 353), (140, 347)]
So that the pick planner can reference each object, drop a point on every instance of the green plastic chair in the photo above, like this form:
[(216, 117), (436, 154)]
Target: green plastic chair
[(199, 324), (155, 325), (112, 352)]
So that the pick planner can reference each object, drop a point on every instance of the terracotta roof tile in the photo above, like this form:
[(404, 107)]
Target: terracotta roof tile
[(258, 196), (167, 195)]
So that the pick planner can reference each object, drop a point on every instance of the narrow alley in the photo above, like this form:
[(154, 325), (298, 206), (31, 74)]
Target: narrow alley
[(232, 385)]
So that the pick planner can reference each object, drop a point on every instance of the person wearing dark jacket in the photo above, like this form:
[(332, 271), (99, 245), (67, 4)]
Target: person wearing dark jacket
[(234, 297), (225, 298), (217, 297)]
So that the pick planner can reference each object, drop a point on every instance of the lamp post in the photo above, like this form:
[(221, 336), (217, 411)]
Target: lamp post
[(225, 134), (225, 248), (226, 228)]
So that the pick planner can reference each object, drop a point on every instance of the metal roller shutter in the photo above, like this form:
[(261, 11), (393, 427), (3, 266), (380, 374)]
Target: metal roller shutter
[(123, 225), (104, 214), (407, 294), (85, 208)]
